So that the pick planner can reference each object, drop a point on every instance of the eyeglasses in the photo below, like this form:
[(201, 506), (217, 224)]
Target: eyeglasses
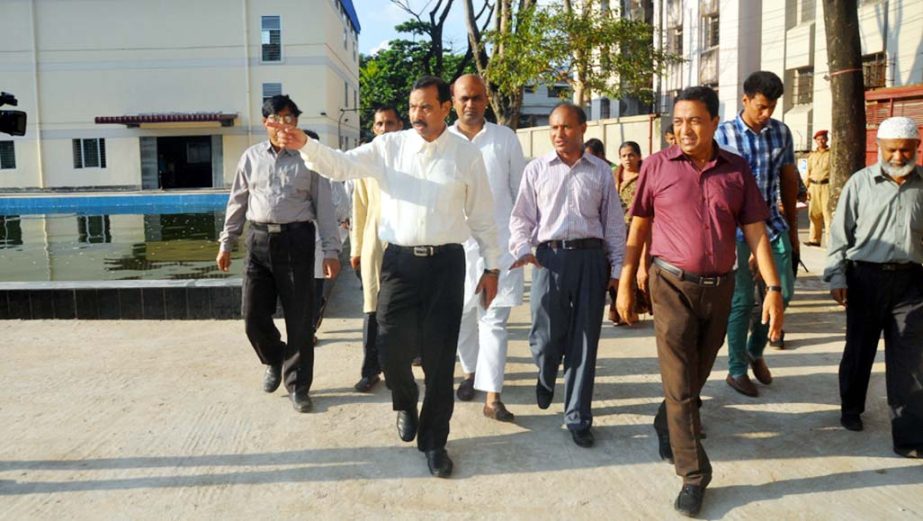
[(288, 120)]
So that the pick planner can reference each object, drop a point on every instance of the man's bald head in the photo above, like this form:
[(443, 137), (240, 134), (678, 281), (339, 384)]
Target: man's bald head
[(469, 97)]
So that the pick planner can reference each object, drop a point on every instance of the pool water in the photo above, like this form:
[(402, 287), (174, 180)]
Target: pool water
[(148, 239)]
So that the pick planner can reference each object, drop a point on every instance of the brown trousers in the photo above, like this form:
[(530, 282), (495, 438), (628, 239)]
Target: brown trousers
[(690, 322)]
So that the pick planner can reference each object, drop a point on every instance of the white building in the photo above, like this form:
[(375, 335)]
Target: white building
[(724, 41), (720, 41), (143, 94), (794, 46)]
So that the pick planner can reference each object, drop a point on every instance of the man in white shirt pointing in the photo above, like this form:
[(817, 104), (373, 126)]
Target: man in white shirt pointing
[(434, 195)]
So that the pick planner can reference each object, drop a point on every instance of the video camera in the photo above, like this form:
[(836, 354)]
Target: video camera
[(12, 122)]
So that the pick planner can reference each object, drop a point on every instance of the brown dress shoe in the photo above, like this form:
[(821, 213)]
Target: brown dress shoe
[(497, 411), (761, 370), (743, 385)]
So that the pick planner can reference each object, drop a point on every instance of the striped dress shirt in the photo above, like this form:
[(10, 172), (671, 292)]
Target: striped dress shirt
[(766, 152), (559, 202)]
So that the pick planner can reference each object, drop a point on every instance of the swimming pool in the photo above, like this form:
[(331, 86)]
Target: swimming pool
[(104, 237)]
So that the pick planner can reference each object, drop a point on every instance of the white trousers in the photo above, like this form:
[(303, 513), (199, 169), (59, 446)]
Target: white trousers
[(482, 342)]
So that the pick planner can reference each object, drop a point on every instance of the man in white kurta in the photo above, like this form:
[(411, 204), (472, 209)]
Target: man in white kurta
[(482, 340), (434, 195)]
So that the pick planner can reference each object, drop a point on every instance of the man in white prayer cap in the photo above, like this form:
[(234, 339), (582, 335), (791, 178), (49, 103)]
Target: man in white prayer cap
[(874, 270)]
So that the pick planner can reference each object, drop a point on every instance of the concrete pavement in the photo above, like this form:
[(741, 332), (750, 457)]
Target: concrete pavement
[(166, 420)]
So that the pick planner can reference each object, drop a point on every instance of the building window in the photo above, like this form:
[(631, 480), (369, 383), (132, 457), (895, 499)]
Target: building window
[(89, 153), (346, 94), (10, 231), (605, 109), (7, 155), (271, 38), (560, 91), (874, 67), (710, 29), (804, 86), (675, 40), (93, 229), (270, 90), (529, 89)]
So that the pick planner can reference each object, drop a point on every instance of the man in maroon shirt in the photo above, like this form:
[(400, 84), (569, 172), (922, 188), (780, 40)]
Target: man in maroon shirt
[(695, 195)]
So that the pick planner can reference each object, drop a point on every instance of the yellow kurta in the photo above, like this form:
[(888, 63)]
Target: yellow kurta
[(364, 241)]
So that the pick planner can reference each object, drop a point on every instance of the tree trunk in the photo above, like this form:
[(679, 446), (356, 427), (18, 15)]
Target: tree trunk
[(844, 55)]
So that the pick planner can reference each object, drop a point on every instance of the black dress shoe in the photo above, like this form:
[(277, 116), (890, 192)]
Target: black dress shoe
[(543, 396), (407, 424), (465, 390), (583, 437), (909, 453), (301, 401), (272, 378), (851, 422), (689, 500), (439, 462), (663, 446), (367, 383)]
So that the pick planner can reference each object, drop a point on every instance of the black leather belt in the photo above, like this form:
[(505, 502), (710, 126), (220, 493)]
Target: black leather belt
[(701, 280), (425, 251), (575, 244), (278, 228), (888, 266), (825, 181)]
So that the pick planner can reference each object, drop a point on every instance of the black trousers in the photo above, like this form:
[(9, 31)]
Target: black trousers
[(371, 365), (419, 311), (280, 266), (568, 294), (889, 302)]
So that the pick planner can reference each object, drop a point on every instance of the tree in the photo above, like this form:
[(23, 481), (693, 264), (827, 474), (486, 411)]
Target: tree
[(434, 60), (591, 48), (386, 77), (844, 55)]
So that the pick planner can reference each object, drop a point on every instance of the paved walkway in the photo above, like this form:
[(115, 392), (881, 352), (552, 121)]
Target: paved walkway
[(166, 420)]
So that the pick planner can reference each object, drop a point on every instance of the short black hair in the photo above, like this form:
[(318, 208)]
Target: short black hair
[(702, 94), (387, 108), (596, 147), (635, 147), (442, 88), (669, 129), (765, 83), (579, 112), (311, 134), (278, 103)]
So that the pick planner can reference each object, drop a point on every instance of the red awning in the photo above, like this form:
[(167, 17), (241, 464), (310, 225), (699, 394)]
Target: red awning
[(226, 120)]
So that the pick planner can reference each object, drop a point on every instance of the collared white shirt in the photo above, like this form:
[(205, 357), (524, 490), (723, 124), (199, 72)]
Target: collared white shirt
[(432, 193), (504, 161)]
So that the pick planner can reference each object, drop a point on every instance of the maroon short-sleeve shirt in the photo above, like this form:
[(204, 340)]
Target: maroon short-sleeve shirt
[(696, 214)]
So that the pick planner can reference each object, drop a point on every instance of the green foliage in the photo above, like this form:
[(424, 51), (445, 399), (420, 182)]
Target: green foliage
[(386, 77), (584, 47)]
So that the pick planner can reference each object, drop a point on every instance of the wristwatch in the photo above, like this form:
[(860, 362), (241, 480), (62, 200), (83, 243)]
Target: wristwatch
[(494, 272), (774, 288)]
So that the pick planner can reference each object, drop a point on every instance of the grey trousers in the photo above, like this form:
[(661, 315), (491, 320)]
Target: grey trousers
[(568, 295)]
